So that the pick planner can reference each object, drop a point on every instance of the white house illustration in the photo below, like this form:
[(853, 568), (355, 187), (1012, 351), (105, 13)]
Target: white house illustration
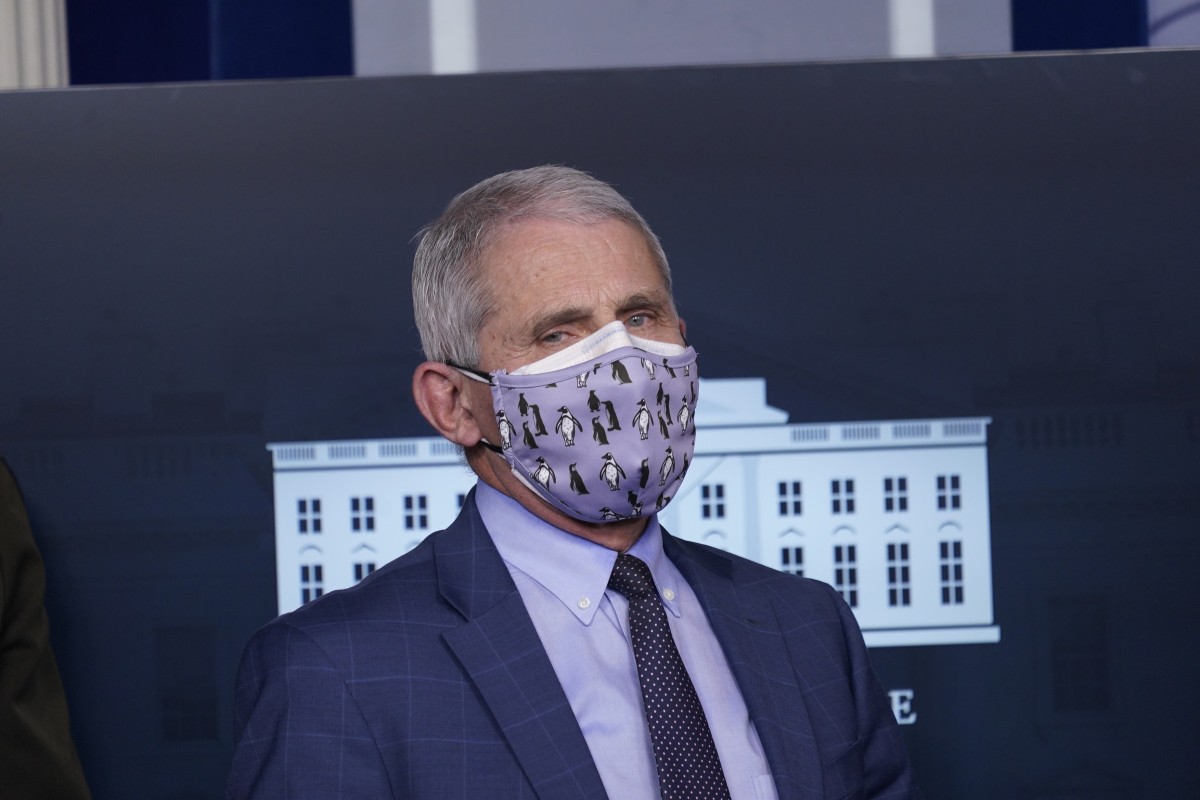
[(893, 514)]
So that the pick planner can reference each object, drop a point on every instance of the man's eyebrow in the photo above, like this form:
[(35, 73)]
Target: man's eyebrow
[(656, 301), (561, 316)]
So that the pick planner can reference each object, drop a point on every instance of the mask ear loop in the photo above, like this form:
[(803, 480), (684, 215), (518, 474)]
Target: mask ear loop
[(481, 377), (472, 373)]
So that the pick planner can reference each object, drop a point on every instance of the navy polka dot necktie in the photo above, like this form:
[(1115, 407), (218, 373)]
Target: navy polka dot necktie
[(687, 760)]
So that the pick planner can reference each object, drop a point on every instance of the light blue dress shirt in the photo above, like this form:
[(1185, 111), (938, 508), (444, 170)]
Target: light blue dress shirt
[(583, 625)]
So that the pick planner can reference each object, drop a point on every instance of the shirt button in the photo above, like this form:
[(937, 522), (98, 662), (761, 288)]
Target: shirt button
[(668, 594), (585, 602)]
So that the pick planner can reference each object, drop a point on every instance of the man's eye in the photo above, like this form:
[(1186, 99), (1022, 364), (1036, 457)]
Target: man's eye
[(554, 337), (637, 321)]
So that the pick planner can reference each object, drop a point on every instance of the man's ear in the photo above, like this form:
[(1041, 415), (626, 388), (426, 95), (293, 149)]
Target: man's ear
[(446, 402)]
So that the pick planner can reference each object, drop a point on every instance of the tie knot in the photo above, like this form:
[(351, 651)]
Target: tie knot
[(631, 576)]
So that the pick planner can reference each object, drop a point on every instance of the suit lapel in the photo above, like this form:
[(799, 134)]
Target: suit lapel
[(500, 650), (747, 627)]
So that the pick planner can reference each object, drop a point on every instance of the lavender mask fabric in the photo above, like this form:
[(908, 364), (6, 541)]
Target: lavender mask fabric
[(605, 440)]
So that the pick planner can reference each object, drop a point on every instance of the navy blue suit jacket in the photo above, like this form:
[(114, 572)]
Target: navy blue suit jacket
[(428, 680)]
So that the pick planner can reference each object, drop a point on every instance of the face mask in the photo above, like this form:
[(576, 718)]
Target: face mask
[(603, 430)]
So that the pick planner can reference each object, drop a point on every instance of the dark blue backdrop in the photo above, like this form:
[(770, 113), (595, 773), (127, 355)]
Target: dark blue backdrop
[(149, 41), (189, 272)]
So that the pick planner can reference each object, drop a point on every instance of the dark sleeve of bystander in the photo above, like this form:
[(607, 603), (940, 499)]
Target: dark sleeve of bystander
[(37, 756)]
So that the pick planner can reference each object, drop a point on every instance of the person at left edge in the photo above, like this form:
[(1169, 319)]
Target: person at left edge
[(37, 754)]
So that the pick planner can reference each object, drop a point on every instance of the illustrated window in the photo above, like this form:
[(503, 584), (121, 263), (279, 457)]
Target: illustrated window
[(416, 512), (895, 494), (845, 572), (950, 560), (790, 498), (791, 560), (362, 514), (898, 577), (712, 501), (949, 495), (842, 494), (308, 513), (312, 582)]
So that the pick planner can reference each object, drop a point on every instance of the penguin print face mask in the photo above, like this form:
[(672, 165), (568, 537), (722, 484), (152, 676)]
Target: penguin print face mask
[(603, 430)]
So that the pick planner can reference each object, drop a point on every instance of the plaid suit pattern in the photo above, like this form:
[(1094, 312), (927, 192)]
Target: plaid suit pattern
[(428, 680)]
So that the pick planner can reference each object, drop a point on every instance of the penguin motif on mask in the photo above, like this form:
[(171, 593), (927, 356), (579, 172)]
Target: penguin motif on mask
[(593, 402), (567, 425), (613, 423), (506, 430), (522, 405), (543, 474), (619, 373), (577, 484), (662, 426), (649, 367), (530, 442), (539, 427), (668, 466), (641, 420), (670, 369), (644, 473), (598, 432), (611, 472), (581, 380), (634, 504), (685, 415)]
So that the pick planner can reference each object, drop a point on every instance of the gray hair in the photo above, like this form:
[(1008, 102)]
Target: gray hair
[(450, 292)]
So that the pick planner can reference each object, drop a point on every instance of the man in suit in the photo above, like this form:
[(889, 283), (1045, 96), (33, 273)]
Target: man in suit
[(494, 660)]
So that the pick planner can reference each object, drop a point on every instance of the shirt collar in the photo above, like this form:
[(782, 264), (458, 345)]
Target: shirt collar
[(570, 567)]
